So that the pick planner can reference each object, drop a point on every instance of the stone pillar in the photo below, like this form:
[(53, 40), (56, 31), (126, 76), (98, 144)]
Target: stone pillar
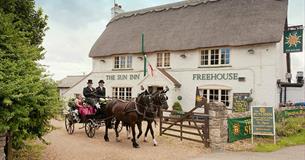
[(2, 144), (218, 126)]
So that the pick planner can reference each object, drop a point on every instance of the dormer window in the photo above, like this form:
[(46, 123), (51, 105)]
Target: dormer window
[(215, 57), (163, 59), (123, 62)]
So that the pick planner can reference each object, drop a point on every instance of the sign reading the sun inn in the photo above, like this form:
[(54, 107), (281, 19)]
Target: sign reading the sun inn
[(293, 39), (123, 77)]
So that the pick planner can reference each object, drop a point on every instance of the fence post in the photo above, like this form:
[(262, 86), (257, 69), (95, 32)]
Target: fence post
[(2, 145), (217, 126)]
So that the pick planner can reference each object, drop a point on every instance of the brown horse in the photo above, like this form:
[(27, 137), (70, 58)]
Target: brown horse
[(131, 113), (159, 102)]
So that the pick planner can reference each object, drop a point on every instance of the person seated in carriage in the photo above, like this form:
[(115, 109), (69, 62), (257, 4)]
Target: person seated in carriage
[(83, 108), (90, 93)]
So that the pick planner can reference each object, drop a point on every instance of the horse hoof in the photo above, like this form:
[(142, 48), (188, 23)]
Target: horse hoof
[(118, 140), (144, 140), (106, 139), (136, 146), (155, 145)]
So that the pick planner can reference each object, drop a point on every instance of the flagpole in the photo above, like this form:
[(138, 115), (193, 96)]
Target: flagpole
[(145, 60)]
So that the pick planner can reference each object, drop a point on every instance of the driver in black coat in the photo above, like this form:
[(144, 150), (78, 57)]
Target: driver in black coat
[(101, 90), (89, 93)]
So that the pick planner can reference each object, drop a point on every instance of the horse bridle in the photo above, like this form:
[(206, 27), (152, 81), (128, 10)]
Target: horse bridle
[(145, 109)]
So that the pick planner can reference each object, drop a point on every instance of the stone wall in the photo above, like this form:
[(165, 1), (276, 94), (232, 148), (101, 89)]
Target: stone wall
[(2, 144), (239, 114), (218, 126)]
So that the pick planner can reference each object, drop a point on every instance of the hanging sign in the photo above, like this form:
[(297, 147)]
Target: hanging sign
[(293, 39), (263, 121)]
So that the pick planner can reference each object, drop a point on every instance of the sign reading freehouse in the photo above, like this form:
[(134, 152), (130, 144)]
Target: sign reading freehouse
[(216, 76)]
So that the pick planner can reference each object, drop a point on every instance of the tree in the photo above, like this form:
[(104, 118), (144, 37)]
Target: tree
[(28, 97)]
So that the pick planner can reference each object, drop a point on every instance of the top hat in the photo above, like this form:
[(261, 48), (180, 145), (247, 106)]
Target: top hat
[(101, 81), (89, 81)]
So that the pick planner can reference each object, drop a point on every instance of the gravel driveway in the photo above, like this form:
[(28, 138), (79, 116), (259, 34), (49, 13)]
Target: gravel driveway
[(79, 147)]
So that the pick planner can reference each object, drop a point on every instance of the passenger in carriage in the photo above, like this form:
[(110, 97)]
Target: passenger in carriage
[(83, 108), (90, 94), (101, 90)]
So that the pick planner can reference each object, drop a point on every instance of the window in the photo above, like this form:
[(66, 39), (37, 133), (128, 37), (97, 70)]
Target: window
[(166, 59), (225, 56), (216, 95), (122, 92), (163, 59), (214, 57), (122, 62), (205, 57)]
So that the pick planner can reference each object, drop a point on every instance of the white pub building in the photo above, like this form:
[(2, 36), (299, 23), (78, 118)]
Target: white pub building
[(223, 47)]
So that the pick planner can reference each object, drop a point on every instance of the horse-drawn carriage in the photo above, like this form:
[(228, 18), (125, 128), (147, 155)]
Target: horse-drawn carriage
[(91, 122), (115, 113)]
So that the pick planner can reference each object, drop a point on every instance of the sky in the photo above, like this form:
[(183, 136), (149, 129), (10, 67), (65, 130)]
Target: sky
[(76, 24)]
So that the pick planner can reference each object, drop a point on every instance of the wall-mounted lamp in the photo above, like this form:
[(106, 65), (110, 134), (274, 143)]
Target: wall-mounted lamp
[(102, 60), (182, 55), (140, 58), (251, 51)]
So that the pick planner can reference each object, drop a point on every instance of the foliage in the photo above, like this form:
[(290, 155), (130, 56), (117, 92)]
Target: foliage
[(296, 139), (31, 151), (71, 103), (28, 97), (279, 116), (32, 23), (290, 126), (177, 109)]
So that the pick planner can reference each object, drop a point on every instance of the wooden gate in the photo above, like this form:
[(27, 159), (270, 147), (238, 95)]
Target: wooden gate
[(193, 126)]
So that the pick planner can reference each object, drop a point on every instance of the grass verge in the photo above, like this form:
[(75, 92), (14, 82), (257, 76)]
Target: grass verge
[(283, 142)]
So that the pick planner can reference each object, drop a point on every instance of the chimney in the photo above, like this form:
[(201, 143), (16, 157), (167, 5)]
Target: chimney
[(116, 9)]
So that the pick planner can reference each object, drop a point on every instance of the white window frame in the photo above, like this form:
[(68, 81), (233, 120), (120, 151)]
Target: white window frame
[(219, 95), (164, 57), (123, 62), (124, 93), (226, 58)]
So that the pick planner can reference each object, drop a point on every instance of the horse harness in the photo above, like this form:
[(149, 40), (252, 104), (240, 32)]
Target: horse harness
[(128, 109)]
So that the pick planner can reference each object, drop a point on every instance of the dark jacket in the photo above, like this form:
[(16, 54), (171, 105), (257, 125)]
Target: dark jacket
[(101, 92), (88, 93)]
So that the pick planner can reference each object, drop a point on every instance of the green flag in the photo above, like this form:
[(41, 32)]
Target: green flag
[(145, 58)]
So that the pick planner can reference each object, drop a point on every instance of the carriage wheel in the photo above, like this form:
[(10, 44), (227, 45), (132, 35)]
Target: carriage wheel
[(90, 128), (69, 124)]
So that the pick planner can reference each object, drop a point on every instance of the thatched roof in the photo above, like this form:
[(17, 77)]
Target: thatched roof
[(194, 24), (69, 81)]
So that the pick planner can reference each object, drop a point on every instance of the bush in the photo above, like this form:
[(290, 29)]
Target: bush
[(290, 126), (177, 109), (71, 103)]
